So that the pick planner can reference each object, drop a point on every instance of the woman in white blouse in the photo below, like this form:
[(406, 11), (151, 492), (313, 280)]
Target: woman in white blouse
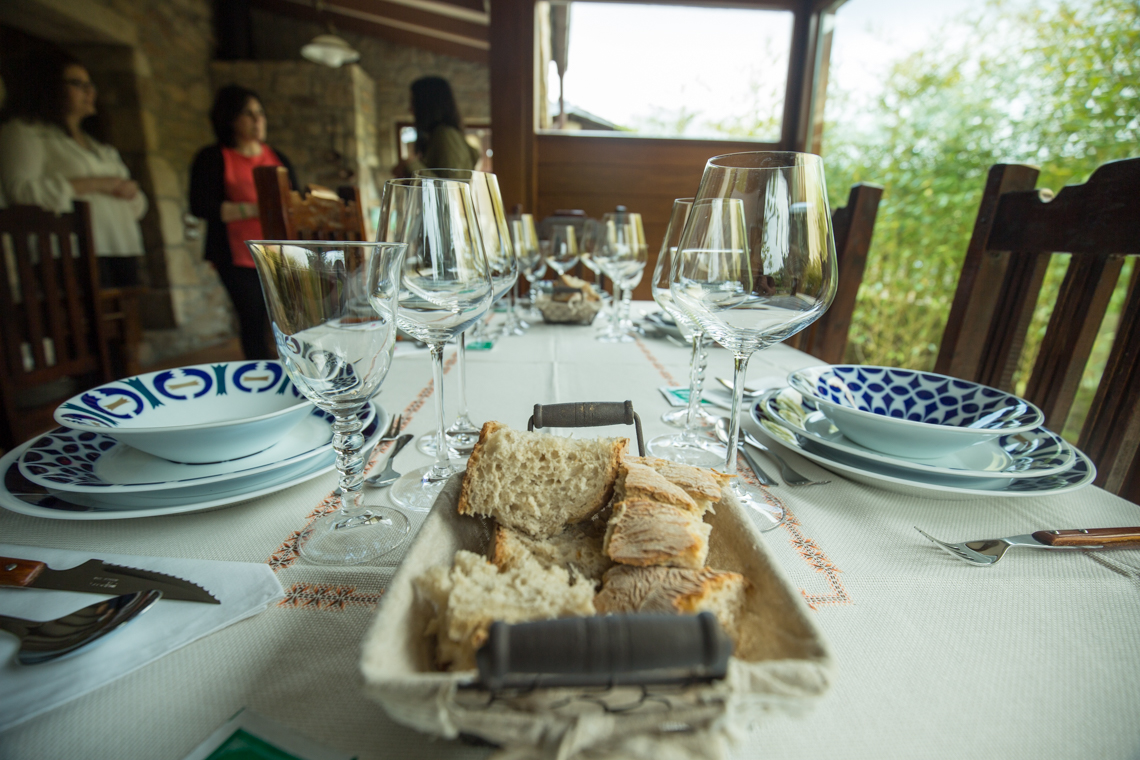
[(47, 159)]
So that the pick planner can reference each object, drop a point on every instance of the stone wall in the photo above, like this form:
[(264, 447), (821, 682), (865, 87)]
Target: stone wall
[(320, 118), (393, 67)]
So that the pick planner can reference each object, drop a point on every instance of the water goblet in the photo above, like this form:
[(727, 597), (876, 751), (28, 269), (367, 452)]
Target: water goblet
[(755, 265), (445, 288), (686, 446), (524, 238), (337, 346)]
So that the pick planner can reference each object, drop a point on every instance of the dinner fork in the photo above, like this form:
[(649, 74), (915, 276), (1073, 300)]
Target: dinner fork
[(388, 475), (988, 552), (790, 476)]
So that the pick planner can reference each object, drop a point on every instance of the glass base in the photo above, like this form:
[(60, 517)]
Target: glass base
[(416, 491), (679, 417), (339, 539), (677, 448), (769, 517)]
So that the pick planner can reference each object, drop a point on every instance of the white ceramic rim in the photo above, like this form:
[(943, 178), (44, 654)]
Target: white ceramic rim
[(174, 428), (848, 447), (933, 488), (133, 488), (929, 426)]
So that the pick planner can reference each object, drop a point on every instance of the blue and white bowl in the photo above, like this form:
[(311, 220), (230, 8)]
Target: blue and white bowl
[(913, 414), (205, 413)]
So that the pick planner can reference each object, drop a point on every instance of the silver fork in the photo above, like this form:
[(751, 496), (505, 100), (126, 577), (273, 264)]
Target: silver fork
[(790, 476), (989, 551), (388, 475)]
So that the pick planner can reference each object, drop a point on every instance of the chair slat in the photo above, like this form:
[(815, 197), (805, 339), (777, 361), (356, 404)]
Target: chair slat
[(12, 317), (1009, 324), (51, 297), (29, 293), (285, 215), (81, 348)]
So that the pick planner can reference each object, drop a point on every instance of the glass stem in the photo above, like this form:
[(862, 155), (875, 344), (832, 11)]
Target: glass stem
[(347, 442), (462, 368), (697, 365), (442, 464), (623, 319), (739, 370)]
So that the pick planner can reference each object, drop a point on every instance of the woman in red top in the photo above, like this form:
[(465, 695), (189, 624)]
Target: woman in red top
[(223, 193)]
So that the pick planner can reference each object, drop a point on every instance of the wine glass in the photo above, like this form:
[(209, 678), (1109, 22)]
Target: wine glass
[(534, 269), (337, 348), (524, 238), (686, 446), (463, 434), (755, 265), (622, 255), (563, 254), (445, 287)]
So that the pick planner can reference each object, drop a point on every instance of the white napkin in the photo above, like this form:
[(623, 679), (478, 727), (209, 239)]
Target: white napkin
[(243, 588)]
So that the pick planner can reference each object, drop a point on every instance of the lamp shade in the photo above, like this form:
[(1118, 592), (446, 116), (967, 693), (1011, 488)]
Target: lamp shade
[(330, 50)]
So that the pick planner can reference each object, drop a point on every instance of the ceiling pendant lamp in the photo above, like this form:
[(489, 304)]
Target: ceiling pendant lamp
[(330, 50)]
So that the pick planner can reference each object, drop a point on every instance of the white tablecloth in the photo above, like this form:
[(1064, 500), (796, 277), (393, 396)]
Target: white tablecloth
[(1036, 657)]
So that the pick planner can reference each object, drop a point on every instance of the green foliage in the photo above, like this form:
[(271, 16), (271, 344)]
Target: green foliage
[(1054, 87)]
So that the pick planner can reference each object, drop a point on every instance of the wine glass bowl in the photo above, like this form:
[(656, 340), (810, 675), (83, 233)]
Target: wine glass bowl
[(332, 309), (756, 264), (563, 253)]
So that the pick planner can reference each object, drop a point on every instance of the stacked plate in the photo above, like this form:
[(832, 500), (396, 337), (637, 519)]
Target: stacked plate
[(920, 433), (175, 441)]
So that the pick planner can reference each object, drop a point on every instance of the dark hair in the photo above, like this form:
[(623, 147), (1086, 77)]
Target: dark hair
[(38, 93), (433, 104), (229, 102)]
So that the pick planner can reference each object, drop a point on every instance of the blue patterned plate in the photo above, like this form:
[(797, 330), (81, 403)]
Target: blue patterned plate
[(85, 462), (200, 414), (1021, 455), (941, 487), (912, 414)]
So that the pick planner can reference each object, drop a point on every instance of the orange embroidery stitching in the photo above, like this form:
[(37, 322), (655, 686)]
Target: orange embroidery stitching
[(313, 595)]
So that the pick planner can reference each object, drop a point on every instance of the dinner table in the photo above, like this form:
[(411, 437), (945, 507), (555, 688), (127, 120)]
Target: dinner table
[(1037, 656)]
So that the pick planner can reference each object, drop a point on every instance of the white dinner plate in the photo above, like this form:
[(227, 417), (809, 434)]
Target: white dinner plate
[(93, 463), (19, 495), (1080, 475), (1033, 454)]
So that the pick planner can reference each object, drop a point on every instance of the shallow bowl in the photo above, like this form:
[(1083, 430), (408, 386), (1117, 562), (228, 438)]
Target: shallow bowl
[(195, 415), (912, 414)]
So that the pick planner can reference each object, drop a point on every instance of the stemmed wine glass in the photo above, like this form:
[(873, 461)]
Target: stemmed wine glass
[(445, 287), (622, 255), (332, 306), (686, 446), (524, 238), (463, 434), (563, 254), (755, 265)]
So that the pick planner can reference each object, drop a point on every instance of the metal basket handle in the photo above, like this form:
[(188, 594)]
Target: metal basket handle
[(588, 414), (613, 650)]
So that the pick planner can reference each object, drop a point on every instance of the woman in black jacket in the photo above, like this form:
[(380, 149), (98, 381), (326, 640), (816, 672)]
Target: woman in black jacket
[(223, 193)]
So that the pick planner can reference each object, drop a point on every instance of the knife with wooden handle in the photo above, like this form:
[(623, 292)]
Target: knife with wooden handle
[(1090, 537), (98, 577)]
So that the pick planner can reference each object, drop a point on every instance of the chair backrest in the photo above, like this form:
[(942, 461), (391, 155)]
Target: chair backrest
[(320, 215), (1018, 227), (52, 321), (853, 224)]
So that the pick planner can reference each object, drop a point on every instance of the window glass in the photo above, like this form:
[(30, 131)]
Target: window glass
[(665, 71)]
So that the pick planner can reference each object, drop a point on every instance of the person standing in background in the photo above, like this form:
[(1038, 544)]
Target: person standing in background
[(48, 158), (222, 192), (440, 143)]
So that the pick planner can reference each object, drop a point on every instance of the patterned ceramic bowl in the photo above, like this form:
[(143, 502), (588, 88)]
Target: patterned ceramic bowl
[(205, 413), (912, 414)]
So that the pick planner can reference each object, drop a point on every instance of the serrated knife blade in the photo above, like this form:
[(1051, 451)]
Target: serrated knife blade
[(98, 577)]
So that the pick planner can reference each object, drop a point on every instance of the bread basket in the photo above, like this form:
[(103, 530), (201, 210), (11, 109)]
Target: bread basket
[(780, 663)]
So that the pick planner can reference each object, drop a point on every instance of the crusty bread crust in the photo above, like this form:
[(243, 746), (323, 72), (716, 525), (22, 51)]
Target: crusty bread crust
[(538, 483), (638, 481), (645, 533), (703, 485), (674, 590), (578, 548)]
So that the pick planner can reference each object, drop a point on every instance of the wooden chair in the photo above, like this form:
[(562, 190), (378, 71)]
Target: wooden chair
[(826, 338), (320, 215), (53, 339), (1017, 229)]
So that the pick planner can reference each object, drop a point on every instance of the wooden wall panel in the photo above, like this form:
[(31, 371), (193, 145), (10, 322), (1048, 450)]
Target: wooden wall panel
[(597, 173)]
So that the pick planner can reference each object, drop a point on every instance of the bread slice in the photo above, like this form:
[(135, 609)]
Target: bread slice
[(639, 481), (538, 483), (472, 593), (643, 532), (674, 590), (701, 484), (578, 548), (586, 289)]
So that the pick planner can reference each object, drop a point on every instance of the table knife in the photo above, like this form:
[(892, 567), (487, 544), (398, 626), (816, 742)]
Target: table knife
[(98, 577), (989, 551)]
